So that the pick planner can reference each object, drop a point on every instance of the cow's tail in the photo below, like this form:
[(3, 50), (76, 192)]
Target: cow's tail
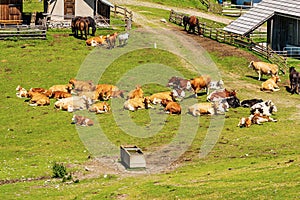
[(251, 64)]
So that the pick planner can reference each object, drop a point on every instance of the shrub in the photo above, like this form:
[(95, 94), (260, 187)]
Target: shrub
[(59, 170)]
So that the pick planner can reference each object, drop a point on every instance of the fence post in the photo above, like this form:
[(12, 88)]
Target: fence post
[(115, 11)]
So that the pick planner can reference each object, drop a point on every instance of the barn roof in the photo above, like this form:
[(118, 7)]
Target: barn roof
[(107, 3), (260, 13)]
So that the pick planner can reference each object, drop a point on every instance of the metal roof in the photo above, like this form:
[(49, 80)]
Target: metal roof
[(260, 13), (107, 3)]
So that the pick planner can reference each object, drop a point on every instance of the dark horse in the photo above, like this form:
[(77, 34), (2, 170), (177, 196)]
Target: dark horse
[(185, 21), (90, 23), (294, 80), (82, 26)]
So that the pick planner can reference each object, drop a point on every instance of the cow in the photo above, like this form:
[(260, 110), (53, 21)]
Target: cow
[(73, 103), (158, 97), (100, 107), (220, 94), (216, 85), (263, 68), (137, 103), (271, 84), (266, 108), (111, 40), (193, 23), (294, 77), (207, 108), (38, 99), (82, 121), (60, 95), (250, 102), (171, 107), (79, 85), (136, 93), (255, 118), (245, 122), (96, 41), (106, 91), (233, 101), (62, 88), (21, 92), (178, 82), (123, 38), (199, 83)]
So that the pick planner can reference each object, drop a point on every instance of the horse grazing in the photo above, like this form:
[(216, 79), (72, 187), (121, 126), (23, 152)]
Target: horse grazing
[(193, 22), (91, 24), (82, 26)]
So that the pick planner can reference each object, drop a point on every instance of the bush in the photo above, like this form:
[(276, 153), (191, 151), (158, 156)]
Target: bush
[(59, 170)]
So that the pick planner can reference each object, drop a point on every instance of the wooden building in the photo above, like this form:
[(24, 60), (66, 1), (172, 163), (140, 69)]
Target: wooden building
[(11, 11), (59, 10), (283, 23)]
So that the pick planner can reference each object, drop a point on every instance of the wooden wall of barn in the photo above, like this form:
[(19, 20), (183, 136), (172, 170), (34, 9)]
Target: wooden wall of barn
[(103, 10), (11, 9), (283, 32)]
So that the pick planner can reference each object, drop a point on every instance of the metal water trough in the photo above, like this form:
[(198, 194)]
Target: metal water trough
[(132, 157)]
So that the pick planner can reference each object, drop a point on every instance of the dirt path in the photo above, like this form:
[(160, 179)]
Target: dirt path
[(182, 10)]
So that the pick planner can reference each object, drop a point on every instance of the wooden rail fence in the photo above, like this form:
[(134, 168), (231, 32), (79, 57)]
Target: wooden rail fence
[(122, 11), (22, 33), (233, 39)]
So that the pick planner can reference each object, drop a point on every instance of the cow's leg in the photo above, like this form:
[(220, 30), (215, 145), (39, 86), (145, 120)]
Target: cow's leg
[(259, 75)]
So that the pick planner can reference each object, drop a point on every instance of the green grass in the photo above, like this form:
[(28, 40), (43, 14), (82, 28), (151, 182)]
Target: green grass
[(33, 6), (260, 162)]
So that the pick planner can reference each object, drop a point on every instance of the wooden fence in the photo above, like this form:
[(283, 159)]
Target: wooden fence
[(233, 39), (122, 11), (22, 33)]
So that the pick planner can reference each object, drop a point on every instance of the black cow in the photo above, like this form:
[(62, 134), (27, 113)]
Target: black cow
[(233, 102), (250, 102)]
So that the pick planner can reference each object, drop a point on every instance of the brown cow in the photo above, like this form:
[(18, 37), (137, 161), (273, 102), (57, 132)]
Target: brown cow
[(100, 107), (158, 97), (171, 107), (271, 84), (136, 93), (200, 82)]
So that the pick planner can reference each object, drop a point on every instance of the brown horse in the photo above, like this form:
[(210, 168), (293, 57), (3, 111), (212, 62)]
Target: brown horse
[(193, 22), (82, 26)]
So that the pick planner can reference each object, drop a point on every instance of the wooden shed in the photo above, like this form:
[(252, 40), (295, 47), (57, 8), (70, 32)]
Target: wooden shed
[(11, 11), (283, 23), (59, 10)]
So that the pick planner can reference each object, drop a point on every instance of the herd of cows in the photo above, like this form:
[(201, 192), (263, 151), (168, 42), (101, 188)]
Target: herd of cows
[(85, 95)]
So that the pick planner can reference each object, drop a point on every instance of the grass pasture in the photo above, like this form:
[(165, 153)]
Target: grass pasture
[(260, 162)]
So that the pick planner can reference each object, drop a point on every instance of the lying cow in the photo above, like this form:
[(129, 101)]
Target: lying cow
[(137, 103), (220, 94), (250, 102), (178, 82), (100, 107), (96, 41), (232, 101), (158, 97), (79, 85), (171, 107), (256, 118), (266, 108), (61, 88), (200, 83), (60, 95), (73, 103), (207, 108), (82, 121), (262, 68), (21, 92), (136, 93), (38, 99), (105, 91), (271, 84)]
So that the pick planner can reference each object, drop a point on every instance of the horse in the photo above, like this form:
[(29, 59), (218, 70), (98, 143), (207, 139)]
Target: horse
[(193, 22), (82, 26), (185, 21), (294, 80), (91, 24), (73, 22)]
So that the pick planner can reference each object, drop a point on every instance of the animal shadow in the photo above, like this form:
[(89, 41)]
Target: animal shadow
[(256, 78)]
